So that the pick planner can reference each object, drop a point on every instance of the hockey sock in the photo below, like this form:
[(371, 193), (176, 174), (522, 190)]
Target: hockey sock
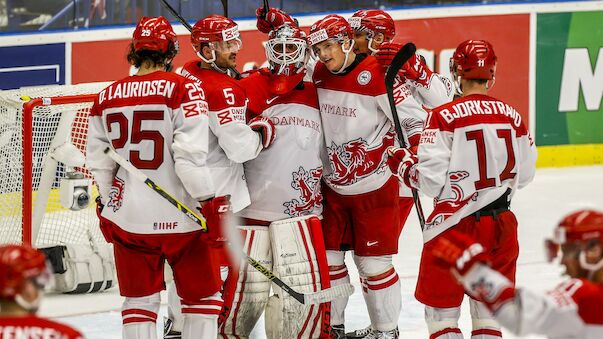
[(442, 323), (338, 273), (200, 326), (139, 316), (484, 326)]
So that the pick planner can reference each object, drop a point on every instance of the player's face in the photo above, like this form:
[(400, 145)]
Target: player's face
[(226, 53), (569, 258), (330, 53), (361, 43)]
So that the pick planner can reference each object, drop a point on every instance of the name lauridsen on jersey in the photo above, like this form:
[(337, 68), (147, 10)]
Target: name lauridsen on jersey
[(138, 89), (476, 107)]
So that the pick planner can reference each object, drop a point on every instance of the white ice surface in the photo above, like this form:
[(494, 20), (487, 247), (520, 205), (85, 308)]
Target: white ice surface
[(554, 193)]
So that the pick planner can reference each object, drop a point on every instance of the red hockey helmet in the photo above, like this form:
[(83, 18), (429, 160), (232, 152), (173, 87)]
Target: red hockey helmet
[(474, 59), (373, 21), (19, 263), (214, 29), (581, 227), (154, 34), (332, 26)]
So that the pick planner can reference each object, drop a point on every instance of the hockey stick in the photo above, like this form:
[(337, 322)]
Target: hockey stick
[(139, 175), (188, 26), (318, 297), (225, 7), (405, 53)]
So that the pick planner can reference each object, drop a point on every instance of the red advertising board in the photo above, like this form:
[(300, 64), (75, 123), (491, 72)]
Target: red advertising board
[(105, 60)]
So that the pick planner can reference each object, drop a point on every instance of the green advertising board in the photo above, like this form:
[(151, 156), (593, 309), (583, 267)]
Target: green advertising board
[(569, 78)]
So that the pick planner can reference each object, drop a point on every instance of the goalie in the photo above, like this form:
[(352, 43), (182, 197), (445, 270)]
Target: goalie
[(280, 229)]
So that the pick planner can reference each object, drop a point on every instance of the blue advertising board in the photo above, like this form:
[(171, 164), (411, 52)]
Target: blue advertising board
[(33, 65)]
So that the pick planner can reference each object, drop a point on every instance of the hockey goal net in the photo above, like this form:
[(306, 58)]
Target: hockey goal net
[(33, 160)]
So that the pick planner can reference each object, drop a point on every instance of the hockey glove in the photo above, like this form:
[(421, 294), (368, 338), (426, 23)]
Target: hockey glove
[(402, 162), (265, 128), (272, 19), (104, 224), (469, 263), (417, 71), (386, 53), (216, 211)]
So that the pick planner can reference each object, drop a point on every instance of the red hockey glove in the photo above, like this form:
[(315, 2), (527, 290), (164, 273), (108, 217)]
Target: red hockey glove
[(401, 162), (469, 263), (216, 211), (264, 127), (416, 70), (386, 53), (104, 224), (272, 19)]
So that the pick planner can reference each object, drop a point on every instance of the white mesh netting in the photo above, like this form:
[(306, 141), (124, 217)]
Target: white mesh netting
[(58, 225)]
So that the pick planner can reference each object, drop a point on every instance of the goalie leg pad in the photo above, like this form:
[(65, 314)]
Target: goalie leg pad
[(246, 290), (381, 290), (139, 316), (338, 273), (484, 326), (300, 261), (443, 323)]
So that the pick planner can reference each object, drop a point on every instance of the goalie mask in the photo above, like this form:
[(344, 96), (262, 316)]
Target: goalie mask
[(219, 34), (286, 51), (575, 234), (473, 60), (335, 28), (373, 21), (20, 264)]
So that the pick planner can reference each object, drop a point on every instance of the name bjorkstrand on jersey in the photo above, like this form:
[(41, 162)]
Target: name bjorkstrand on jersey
[(479, 107), (138, 89)]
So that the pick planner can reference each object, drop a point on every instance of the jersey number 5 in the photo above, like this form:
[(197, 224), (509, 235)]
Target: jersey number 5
[(478, 137), (138, 135)]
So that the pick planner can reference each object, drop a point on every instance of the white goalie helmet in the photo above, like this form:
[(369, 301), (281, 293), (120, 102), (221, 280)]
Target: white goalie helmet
[(287, 50)]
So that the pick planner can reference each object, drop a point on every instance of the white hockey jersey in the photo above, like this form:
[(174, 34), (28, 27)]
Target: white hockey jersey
[(439, 91), (471, 151), (357, 124), (574, 310), (159, 123), (231, 141), (284, 180)]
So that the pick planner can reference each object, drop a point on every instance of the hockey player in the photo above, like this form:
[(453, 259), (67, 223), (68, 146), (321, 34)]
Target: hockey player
[(474, 153), (374, 31), (23, 275), (573, 310), (281, 224), (158, 122), (361, 212)]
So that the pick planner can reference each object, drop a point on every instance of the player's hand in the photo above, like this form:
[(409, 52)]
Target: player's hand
[(386, 53), (265, 128), (216, 211), (103, 223), (459, 251), (416, 70), (273, 18), (469, 262), (401, 162)]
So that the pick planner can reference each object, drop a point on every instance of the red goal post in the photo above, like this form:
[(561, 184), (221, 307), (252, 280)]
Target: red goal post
[(35, 125)]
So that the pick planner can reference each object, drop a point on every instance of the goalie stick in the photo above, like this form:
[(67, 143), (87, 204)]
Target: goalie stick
[(190, 28), (318, 297), (405, 53)]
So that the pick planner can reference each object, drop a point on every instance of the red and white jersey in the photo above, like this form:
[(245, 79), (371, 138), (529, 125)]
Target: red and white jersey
[(159, 123), (284, 180), (33, 327), (231, 141), (471, 151), (439, 91), (574, 310), (358, 127)]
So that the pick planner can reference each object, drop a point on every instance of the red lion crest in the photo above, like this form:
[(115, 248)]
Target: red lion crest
[(444, 208), (354, 160), (308, 184), (116, 194)]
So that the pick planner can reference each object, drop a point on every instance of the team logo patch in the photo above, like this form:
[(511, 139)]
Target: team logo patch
[(116, 194), (364, 77)]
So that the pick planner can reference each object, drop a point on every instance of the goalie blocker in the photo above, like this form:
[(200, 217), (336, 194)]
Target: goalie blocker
[(294, 250)]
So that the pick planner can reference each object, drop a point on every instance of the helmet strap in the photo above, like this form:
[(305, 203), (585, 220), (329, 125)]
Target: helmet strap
[(457, 85), (347, 56), (31, 307), (212, 61), (587, 266)]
